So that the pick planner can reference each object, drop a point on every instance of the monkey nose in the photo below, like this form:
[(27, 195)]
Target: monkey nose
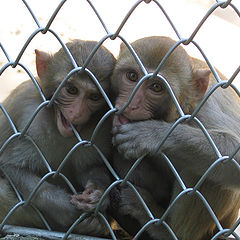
[(133, 107), (130, 108)]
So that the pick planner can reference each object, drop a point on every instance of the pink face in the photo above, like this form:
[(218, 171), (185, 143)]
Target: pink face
[(77, 101), (146, 98)]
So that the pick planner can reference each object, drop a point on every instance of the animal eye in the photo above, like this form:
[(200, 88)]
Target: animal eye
[(95, 96), (71, 89), (132, 76), (156, 87)]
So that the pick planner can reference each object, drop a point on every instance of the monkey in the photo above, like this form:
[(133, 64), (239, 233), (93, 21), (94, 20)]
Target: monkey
[(78, 105), (140, 130)]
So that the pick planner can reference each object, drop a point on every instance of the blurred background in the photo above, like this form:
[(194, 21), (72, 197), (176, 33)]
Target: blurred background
[(219, 37)]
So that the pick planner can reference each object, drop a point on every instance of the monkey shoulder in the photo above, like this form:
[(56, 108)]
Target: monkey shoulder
[(16, 106), (21, 105), (23, 96)]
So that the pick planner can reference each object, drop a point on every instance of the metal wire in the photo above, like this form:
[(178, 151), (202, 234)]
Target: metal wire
[(80, 141)]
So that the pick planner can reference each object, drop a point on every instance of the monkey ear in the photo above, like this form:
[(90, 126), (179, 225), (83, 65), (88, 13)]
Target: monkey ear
[(42, 59), (122, 46), (201, 81)]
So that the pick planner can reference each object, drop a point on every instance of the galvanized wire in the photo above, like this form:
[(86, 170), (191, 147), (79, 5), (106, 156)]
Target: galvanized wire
[(220, 83)]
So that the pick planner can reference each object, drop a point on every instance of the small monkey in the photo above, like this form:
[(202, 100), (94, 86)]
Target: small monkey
[(79, 104), (141, 127)]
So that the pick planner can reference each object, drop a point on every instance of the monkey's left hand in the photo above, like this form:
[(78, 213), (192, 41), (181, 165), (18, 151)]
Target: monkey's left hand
[(136, 139), (88, 199)]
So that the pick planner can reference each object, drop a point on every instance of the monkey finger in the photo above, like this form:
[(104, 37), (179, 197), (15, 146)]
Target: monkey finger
[(130, 150), (87, 207), (116, 140), (115, 130), (81, 197), (121, 129), (88, 195), (122, 138), (75, 202), (83, 205), (88, 191), (126, 149)]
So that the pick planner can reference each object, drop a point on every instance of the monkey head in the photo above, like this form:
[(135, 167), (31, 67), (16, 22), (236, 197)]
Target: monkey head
[(152, 99), (80, 98)]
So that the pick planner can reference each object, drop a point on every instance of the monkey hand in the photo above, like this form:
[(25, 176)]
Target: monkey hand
[(88, 199), (87, 202), (139, 138)]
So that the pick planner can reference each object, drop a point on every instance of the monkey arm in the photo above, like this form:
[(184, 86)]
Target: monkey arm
[(187, 147), (51, 200)]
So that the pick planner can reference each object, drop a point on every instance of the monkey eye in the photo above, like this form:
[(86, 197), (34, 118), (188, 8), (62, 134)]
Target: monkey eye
[(95, 96), (156, 87), (132, 76), (71, 89)]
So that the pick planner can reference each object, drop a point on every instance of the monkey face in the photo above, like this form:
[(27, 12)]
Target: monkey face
[(150, 101), (80, 98), (76, 103)]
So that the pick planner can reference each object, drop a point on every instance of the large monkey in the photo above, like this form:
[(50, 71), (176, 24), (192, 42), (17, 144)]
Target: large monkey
[(80, 103), (141, 127)]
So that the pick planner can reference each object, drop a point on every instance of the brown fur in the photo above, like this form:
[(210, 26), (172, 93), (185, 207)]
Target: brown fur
[(51, 132), (187, 147)]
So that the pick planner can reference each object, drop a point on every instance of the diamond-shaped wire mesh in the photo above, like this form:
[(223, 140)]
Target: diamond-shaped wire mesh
[(52, 170)]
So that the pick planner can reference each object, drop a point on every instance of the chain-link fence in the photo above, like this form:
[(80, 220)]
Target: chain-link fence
[(18, 209)]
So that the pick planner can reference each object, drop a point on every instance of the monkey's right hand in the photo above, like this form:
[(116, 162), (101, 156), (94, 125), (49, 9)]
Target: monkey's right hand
[(139, 138), (87, 200)]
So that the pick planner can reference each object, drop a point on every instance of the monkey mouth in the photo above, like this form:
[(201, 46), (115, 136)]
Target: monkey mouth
[(120, 120), (65, 122), (63, 125)]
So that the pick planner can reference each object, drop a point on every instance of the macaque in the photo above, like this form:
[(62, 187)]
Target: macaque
[(141, 127), (78, 105)]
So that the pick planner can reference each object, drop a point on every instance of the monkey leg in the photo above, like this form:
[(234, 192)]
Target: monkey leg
[(131, 215), (190, 218), (52, 201), (23, 214)]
